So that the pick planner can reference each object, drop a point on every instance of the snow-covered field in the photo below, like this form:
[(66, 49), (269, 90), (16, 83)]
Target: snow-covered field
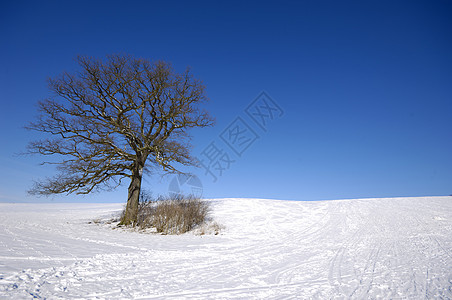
[(398, 248)]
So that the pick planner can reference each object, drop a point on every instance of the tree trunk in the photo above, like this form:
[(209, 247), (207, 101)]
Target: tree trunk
[(131, 212)]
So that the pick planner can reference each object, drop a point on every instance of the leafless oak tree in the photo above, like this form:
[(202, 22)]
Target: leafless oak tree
[(116, 119)]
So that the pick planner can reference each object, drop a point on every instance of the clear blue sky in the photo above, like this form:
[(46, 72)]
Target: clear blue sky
[(364, 89)]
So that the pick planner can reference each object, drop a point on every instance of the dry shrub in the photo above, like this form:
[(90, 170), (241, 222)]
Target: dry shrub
[(146, 207), (179, 215), (171, 215)]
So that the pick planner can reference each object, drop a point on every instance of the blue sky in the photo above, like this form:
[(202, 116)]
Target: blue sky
[(364, 90)]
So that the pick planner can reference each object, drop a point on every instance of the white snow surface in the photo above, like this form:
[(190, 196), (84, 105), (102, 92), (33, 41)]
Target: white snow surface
[(399, 248)]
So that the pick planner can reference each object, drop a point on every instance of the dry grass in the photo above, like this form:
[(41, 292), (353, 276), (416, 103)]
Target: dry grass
[(172, 215), (177, 215)]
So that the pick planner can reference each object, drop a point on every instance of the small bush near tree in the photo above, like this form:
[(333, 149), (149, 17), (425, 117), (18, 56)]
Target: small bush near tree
[(146, 207), (172, 215)]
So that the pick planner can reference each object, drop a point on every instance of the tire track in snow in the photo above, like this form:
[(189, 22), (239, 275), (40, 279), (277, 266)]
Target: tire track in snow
[(335, 275), (430, 280)]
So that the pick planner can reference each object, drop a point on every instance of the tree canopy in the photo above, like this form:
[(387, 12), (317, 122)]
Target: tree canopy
[(116, 119)]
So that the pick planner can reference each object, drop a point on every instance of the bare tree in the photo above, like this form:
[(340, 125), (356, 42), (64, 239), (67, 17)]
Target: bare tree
[(116, 119)]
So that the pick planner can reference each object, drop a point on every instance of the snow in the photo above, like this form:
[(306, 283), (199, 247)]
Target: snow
[(364, 248)]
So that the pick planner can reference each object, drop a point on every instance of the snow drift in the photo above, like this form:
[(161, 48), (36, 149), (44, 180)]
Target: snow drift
[(365, 248)]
